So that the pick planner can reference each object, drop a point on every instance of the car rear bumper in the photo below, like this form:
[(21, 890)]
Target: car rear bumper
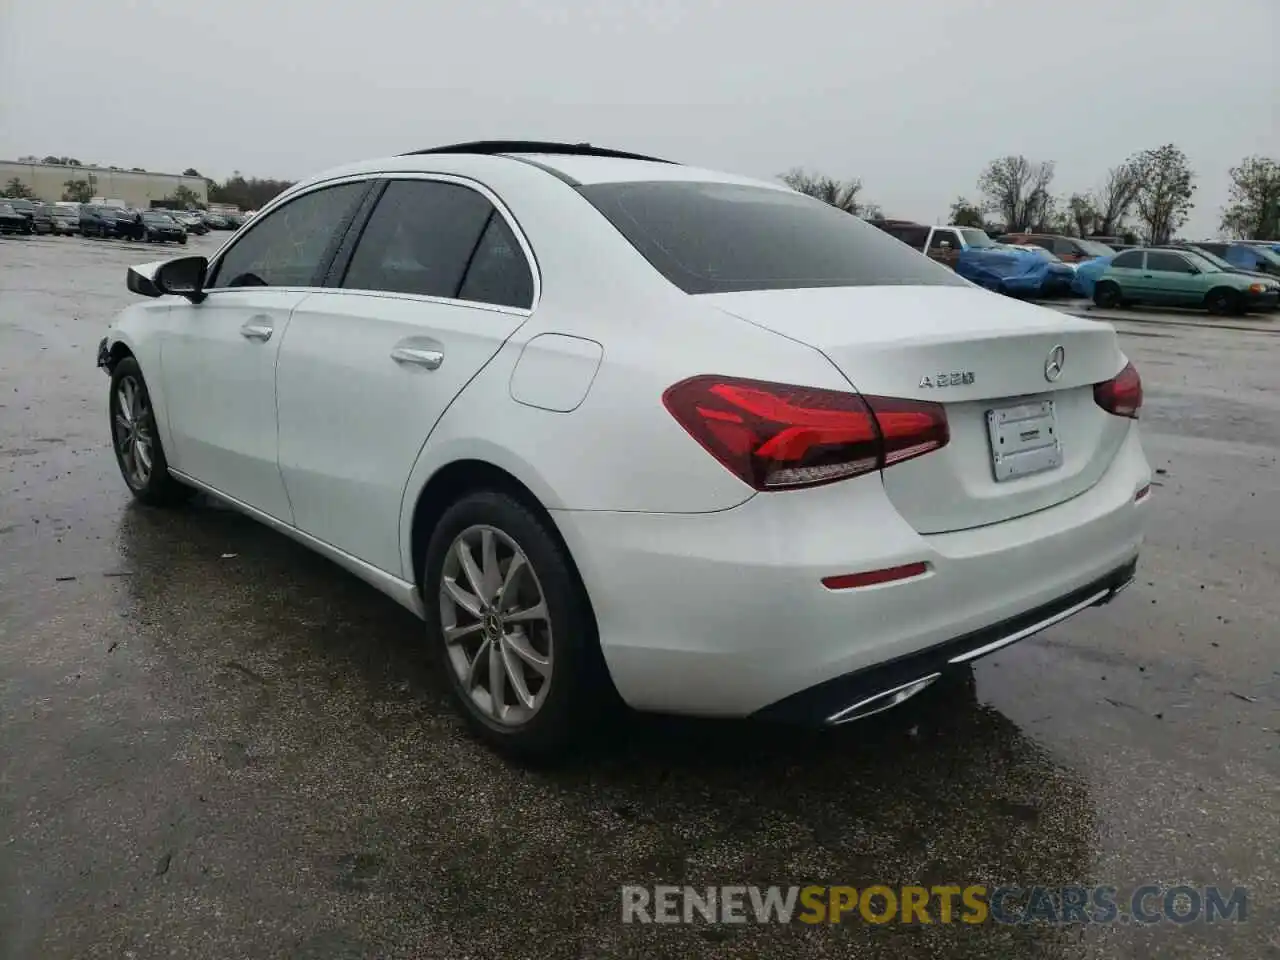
[(725, 614)]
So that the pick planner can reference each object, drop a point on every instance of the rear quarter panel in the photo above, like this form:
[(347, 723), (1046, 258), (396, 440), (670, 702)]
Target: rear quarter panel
[(619, 449)]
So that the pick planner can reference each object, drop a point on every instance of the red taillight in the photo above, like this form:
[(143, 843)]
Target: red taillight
[(775, 436), (1122, 394)]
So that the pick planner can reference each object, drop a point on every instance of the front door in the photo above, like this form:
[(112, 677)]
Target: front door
[(1171, 279), (219, 363), (219, 356)]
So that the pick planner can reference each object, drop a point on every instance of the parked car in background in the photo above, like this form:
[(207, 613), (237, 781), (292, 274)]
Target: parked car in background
[(1087, 276), (66, 218), (11, 221), (95, 222), (23, 206), (1066, 249), (124, 223), (1024, 270), (943, 244), (1246, 256), (42, 219), (158, 227), (1216, 260), (1181, 278), (191, 222), (215, 221), (234, 220)]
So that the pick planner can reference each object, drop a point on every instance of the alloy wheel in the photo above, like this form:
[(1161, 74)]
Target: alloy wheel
[(132, 427), (496, 626)]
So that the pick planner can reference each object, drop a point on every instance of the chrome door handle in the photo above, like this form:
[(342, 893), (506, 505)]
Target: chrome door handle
[(428, 357), (257, 331)]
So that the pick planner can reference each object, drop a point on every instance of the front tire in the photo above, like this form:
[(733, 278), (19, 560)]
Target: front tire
[(136, 441), (511, 627), (1106, 295), (1223, 303)]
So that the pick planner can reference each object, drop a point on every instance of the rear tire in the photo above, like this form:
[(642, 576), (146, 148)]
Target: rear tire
[(136, 440), (1223, 303), (1107, 295), (552, 683)]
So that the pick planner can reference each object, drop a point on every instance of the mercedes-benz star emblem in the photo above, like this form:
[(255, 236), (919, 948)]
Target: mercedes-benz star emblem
[(1054, 362)]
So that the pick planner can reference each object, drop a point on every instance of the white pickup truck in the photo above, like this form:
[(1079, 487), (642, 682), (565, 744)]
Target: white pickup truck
[(941, 243)]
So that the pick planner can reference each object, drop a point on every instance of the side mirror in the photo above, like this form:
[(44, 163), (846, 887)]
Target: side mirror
[(183, 276)]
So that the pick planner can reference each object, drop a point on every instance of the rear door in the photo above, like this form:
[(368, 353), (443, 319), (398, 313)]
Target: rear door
[(1126, 272), (417, 303)]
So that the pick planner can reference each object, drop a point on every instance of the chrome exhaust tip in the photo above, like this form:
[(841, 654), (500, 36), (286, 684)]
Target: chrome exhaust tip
[(1116, 591), (879, 702)]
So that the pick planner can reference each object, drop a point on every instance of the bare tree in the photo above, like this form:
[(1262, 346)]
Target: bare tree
[(1017, 189), (1254, 210), (841, 194), (1163, 197), (1113, 201)]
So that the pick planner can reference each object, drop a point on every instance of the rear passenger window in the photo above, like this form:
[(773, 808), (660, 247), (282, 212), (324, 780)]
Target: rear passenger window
[(499, 271), (1131, 259), (419, 240)]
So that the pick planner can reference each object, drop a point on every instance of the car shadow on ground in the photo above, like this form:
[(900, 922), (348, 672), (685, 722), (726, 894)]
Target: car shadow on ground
[(299, 684)]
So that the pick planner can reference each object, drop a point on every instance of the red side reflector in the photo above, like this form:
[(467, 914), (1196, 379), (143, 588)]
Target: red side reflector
[(847, 581), (1142, 494)]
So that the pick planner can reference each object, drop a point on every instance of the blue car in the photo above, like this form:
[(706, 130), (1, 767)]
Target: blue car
[(1087, 274), (1016, 271), (1254, 257)]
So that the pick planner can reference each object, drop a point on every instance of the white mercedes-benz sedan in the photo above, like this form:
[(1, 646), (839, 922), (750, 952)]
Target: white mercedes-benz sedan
[(615, 426)]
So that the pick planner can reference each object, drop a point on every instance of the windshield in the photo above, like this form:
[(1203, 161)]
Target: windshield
[(20, 204), (1269, 255), (7, 208), (1095, 249), (708, 237), (157, 217), (977, 238)]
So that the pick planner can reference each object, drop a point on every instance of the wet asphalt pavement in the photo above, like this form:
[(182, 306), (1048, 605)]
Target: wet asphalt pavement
[(215, 744)]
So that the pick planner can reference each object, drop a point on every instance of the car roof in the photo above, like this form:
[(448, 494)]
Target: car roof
[(576, 164)]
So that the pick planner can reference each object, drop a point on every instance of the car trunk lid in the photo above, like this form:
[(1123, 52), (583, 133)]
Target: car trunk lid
[(985, 358)]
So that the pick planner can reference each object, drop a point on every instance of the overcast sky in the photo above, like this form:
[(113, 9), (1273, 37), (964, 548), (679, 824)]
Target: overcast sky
[(912, 96)]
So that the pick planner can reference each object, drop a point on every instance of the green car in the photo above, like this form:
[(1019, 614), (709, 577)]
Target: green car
[(1181, 278)]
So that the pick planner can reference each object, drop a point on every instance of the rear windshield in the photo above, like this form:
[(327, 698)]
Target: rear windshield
[(1095, 249), (723, 238)]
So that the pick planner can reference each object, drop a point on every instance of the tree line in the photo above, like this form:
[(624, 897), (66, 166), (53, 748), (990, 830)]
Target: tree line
[(1150, 192)]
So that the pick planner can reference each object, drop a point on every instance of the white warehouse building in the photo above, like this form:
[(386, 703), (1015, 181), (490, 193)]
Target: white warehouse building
[(48, 182)]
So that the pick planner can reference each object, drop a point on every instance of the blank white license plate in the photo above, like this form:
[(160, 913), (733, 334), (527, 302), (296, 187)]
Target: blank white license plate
[(1024, 440)]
